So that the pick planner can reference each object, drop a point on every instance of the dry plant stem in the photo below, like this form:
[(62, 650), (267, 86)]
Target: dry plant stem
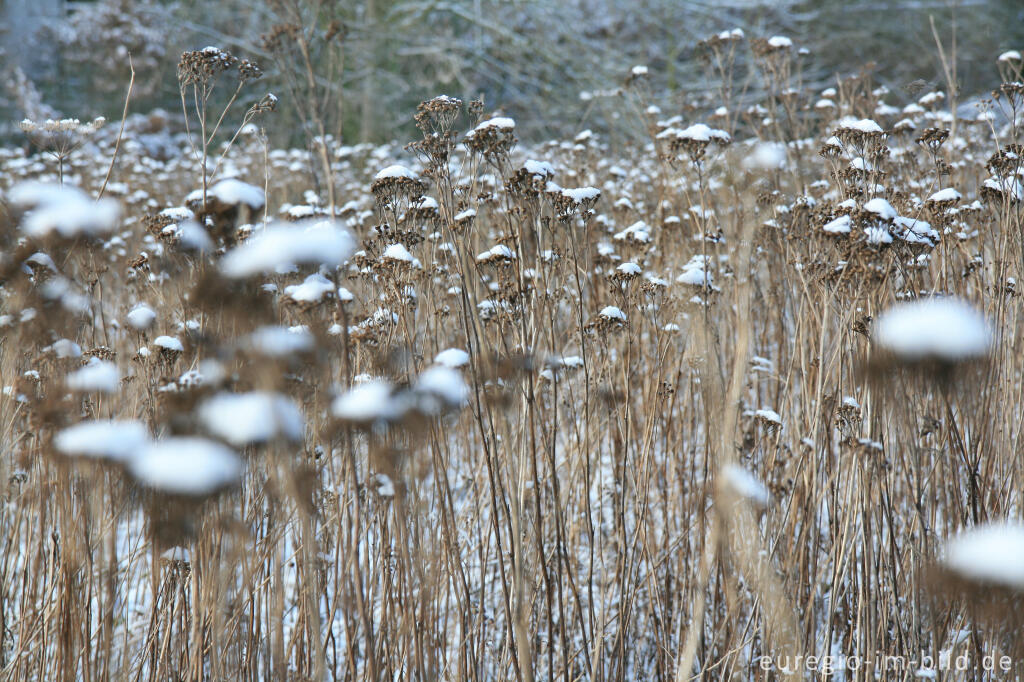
[(120, 132), (948, 69)]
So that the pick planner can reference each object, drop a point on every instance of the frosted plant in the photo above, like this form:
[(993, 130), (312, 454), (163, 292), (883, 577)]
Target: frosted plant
[(198, 75), (61, 137)]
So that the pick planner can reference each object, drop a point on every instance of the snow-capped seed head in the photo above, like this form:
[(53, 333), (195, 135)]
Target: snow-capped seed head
[(496, 254), (398, 254), (374, 401), (989, 555), (234, 192), (840, 225), (492, 138), (947, 330), (881, 208), (189, 466), (115, 440), (279, 342), (440, 388), (99, 375), (770, 419), (63, 210), (141, 317), (540, 169), (945, 197), (65, 348), (312, 290), (452, 357), (395, 171), (612, 313), (626, 272), (610, 319), (744, 485), (860, 134), (257, 417), (317, 242), (169, 343)]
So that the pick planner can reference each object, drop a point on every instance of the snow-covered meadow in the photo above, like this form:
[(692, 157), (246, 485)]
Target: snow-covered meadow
[(748, 385)]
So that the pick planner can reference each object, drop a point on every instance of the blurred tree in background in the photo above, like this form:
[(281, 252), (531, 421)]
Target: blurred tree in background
[(361, 66)]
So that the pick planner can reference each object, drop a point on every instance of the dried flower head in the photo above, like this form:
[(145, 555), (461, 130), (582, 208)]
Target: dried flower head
[(199, 67)]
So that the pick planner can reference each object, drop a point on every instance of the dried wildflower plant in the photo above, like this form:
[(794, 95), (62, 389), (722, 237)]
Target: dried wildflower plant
[(199, 73), (61, 137), (600, 406)]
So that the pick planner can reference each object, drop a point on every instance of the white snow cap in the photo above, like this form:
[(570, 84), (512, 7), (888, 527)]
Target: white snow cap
[(141, 317), (397, 252), (452, 357), (312, 289), (171, 343), (610, 312), (98, 375), (992, 553), (186, 466), (698, 132), (695, 272), (946, 329), (743, 484), (500, 122), (276, 341), (580, 194), (948, 194), (235, 192), (864, 125), (840, 225), (395, 171), (780, 42), (319, 242), (766, 156), (66, 210), (372, 401), (257, 417), (116, 440), (439, 388), (1010, 56), (497, 252), (65, 348), (629, 269), (882, 208), (769, 416), (541, 168)]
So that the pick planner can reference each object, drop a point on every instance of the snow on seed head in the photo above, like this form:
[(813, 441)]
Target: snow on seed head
[(189, 466), (990, 554), (452, 357), (373, 401), (110, 439), (947, 330), (320, 242), (312, 290), (277, 341), (63, 210), (742, 484), (257, 417), (234, 192), (440, 388), (99, 375), (141, 317)]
